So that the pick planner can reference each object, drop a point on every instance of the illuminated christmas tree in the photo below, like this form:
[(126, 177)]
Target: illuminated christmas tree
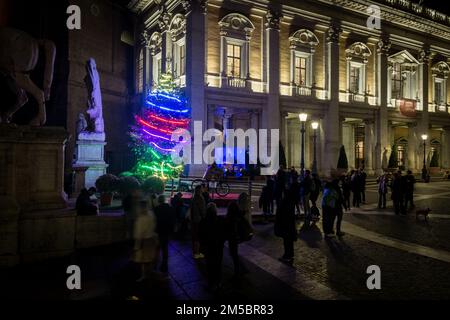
[(165, 111)]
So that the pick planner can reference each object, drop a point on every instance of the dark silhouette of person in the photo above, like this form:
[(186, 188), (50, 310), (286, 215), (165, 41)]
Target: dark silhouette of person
[(280, 185), (329, 202), (346, 190), (232, 219), (84, 204), (198, 212), (356, 188), (409, 190), (285, 225), (212, 237), (339, 207), (165, 223), (362, 181), (383, 182), (398, 192), (316, 188), (270, 184)]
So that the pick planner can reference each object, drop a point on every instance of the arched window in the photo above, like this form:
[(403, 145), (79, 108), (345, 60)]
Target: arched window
[(302, 44), (357, 55), (235, 34), (177, 30), (440, 73)]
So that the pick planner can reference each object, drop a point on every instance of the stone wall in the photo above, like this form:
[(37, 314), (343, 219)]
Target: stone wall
[(99, 38)]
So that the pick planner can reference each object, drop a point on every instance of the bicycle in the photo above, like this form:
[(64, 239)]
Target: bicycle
[(221, 188)]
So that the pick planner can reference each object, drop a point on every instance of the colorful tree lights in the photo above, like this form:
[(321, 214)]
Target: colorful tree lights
[(166, 110)]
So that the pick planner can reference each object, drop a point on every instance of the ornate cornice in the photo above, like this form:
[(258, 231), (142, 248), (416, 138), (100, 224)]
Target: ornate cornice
[(403, 13)]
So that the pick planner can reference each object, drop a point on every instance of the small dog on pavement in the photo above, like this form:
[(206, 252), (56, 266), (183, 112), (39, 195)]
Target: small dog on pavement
[(423, 212)]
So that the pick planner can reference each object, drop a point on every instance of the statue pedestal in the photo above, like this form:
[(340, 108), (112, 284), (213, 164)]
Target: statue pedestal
[(90, 154), (31, 179)]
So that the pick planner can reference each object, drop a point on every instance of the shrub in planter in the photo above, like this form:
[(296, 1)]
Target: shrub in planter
[(106, 185), (153, 185), (127, 184), (393, 160)]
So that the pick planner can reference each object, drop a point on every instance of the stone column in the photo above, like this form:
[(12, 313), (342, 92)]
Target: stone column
[(368, 147), (381, 126), (223, 61), (195, 67), (331, 119), (424, 59), (272, 32), (413, 145), (446, 148)]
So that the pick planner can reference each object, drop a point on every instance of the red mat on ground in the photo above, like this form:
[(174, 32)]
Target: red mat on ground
[(220, 201)]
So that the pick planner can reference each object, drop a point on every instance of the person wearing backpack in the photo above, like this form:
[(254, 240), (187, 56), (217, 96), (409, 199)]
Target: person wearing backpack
[(285, 225)]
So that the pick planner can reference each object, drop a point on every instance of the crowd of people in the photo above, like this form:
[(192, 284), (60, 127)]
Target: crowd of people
[(151, 220)]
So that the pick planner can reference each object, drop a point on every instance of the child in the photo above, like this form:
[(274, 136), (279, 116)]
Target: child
[(146, 239)]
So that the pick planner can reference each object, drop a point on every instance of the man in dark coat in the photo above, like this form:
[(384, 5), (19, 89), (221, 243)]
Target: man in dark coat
[(165, 223), (285, 226)]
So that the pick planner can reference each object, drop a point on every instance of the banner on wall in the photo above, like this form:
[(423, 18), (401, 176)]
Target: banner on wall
[(407, 107)]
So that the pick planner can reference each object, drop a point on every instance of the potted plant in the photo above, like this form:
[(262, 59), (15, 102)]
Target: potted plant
[(106, 185), (153, 185)]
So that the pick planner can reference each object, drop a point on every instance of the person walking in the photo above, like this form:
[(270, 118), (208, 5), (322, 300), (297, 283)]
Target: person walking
[(382, 182), (346, 190), (339, 207), (409, 190), (362, 182), (285, 226), (198, 212), (356, 188), (329, 202), (213, 237), (165, 225), (305, 192), (145, 239)]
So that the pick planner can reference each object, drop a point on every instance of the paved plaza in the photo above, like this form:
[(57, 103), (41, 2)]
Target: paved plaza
[(413, 255)]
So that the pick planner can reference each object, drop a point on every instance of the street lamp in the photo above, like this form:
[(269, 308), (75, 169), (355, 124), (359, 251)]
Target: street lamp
[(303, 117), (424, 169), (315, 126)]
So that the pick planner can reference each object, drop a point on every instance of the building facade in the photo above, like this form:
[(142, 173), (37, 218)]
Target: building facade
[(259, 64)]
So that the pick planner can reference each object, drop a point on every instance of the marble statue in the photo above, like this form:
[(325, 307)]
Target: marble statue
[(95, 107), (19, 53)]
